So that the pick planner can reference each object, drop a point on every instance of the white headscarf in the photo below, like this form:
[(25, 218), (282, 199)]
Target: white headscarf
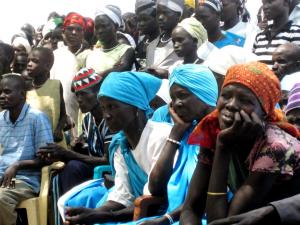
[(22, 41), (113, 12)]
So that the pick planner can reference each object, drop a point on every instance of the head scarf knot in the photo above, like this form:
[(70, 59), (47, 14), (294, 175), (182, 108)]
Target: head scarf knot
[(74, 18), (258, 78), (133, 88), (195, 29), (197, 79)]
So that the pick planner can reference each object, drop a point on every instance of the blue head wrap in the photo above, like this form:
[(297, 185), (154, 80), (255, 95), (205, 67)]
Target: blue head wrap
[(133, 88), (197, 79)]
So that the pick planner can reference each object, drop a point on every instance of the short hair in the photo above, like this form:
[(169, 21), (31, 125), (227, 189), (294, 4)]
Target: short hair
[(47, 54), (17, 78)]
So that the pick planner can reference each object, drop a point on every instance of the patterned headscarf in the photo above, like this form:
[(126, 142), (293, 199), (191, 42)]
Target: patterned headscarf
[(294, 99), (195, 29), (213, 4), (74, 18), (264, 84), (85, 78), (145, 6)]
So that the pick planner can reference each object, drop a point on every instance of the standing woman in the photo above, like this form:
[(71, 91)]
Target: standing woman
[(160, 52), (247, 145), (124, 98), (111, 56)]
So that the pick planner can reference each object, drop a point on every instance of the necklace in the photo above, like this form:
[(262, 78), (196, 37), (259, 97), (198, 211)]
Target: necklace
[(110, 49), (79, 50), (164, 41)]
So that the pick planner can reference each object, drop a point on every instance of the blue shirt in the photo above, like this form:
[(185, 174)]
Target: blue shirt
[(230, 39), (21, 140)]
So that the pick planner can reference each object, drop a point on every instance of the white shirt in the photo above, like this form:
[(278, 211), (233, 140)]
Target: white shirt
[(239, 29), (64, 69), (295, 15), (146, 154), (288, 81)]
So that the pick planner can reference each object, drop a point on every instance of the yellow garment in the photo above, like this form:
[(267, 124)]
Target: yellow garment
[(190, 3), (47, 100), (101, 61)]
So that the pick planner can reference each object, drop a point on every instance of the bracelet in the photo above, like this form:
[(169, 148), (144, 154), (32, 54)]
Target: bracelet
[(216, 193), (173, 141), (169, 217)]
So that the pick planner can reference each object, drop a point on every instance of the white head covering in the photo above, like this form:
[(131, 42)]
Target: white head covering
[(113, 12), (22, 41), (163, 91), (174, 5), (219, 60)]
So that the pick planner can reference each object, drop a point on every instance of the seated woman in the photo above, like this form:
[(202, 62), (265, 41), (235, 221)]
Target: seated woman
[(194, 93), (246, 142), (292, 110), (91, 148), (124, 98)]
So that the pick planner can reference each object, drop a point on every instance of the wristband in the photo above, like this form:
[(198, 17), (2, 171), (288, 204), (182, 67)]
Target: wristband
[(169, 217), (173, 141)]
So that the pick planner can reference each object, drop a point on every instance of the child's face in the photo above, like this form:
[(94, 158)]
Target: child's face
[(36, 64)]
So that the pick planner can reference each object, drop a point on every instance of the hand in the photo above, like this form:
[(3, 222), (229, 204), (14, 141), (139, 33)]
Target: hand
[(160, 73), (180, 126), (80, 216), (58, 135), (244, 125), (7, 180), (261, 216), (157, 221), (53, 152)]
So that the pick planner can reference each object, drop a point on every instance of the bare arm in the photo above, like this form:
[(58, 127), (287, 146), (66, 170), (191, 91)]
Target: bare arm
[(194, 204)]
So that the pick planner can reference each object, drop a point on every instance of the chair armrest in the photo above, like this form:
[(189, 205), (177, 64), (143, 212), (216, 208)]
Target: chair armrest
[(100, 170), (143, 203)]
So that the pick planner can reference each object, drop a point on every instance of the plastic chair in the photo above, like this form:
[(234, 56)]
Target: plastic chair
[(100, 170), (37, 208)]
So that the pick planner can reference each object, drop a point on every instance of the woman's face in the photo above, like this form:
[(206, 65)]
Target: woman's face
[(183, 42), (234, 98), (166, 18), (146, 24), (118, 115), (186, 105), (293, 117), (105, 29), (209, 18)]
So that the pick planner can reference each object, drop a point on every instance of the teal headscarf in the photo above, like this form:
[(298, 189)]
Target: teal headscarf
[(133, 88), (197, 79)]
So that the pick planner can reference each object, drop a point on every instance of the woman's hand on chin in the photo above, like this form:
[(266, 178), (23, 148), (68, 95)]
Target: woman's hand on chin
[(245, 127)]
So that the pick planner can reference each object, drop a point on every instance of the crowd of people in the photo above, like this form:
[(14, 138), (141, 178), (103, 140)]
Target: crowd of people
[(194, 102)]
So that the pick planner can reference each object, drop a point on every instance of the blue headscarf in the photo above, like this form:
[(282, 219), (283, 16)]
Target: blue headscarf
[(133, 88), (197, 79)]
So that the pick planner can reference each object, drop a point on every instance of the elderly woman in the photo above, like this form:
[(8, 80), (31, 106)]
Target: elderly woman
[(246, 142), (194, 93), (124, 98)]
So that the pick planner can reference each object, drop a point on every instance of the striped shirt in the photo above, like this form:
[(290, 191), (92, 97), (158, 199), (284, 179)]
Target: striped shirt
[(95, 136), (21, 140), (265, 44)]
